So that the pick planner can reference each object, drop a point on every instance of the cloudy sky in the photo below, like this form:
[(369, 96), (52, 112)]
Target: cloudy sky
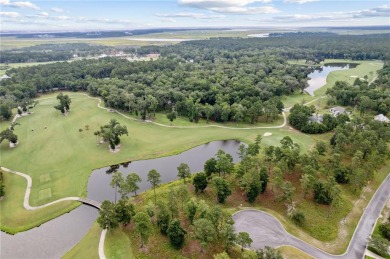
[(129, 14)]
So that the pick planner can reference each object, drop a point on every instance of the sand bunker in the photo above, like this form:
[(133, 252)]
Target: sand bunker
[(267, 134), (354, 76)]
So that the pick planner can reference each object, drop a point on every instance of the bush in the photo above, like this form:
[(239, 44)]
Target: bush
[(200, 182), (379, 246), (298, 217), (321, 194), (1, 184), (176, 233)]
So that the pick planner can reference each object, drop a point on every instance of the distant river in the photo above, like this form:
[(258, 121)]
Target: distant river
[(318, 77), (54, 238)]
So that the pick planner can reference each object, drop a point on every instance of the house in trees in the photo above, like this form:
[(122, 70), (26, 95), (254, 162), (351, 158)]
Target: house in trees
[(4, 77), (319, 118), (338, 110), (381, 118)]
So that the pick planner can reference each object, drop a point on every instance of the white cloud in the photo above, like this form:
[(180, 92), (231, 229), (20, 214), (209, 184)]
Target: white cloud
[(43, 14), (168, 20), (56, 10), (231, 6), (10, 14), (19, 4), (305, 18), (191, 15), (300, 1), (246, 10), (382, 11)]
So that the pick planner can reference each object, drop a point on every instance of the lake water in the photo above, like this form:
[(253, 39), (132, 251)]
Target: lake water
[(318, 77), (54, 238), (99, 188)]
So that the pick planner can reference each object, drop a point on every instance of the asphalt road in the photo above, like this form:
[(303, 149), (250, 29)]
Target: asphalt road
[(266, 230)]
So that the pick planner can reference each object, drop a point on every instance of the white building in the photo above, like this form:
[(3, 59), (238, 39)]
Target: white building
[(338, 110), (381, 118)]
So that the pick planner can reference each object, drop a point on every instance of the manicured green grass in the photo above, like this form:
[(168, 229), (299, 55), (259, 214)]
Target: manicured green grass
[(297, 97), (88, 246), (290, 252), (118, 245), (365, 68), (14, 218), (60, 158)]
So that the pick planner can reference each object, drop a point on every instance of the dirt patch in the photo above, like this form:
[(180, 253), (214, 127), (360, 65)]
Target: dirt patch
[(267, 134)]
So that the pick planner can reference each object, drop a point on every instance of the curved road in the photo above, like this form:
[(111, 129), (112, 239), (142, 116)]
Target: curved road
[(266, 230)]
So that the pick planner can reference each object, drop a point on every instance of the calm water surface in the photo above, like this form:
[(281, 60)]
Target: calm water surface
[(99, 188), (318, 77)]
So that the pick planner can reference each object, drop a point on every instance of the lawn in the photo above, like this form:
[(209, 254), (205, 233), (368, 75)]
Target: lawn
[(60, 158)]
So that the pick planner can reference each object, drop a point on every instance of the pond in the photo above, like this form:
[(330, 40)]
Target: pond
[(318, 77), (54, 238), (99, 188)]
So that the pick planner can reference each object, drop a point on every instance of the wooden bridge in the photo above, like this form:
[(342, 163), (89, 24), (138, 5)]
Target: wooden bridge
[(90, 202)]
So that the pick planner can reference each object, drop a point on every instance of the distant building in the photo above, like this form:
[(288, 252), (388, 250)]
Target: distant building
[(4, 77), (337, 110), (381, 118), (319, 118)]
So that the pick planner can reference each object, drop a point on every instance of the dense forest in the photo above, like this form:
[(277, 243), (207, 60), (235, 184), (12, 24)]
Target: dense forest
[(51, 52), (222, 79)]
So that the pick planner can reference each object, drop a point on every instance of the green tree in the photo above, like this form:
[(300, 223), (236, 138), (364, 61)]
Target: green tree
[(228, 236), (244, 240), (172, 202), (204, 232), (210, 167), (143, 227), (264, 178), (64, 104), (112, 132), (183, 171), (163, 217), (124, 211), (268, 253), (307, 183), (200, 182), (131, 183), (107, 217), (321, 147), (171, 116), (224, 163), (154, 180), (176, 233), (191, 208), (222, 188), (5, 111), (182, 194), (117, 181)]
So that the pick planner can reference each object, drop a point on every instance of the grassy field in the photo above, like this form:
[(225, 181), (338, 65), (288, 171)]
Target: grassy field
[(87, 247), (14, 217), (4, 68), (365, 68), (60, 158), (13, 42)]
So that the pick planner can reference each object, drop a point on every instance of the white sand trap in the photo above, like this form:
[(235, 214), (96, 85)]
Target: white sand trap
[(267, 134), (354, 76)]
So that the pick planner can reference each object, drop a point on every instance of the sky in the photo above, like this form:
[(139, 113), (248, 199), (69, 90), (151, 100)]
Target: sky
[(72, 15)]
